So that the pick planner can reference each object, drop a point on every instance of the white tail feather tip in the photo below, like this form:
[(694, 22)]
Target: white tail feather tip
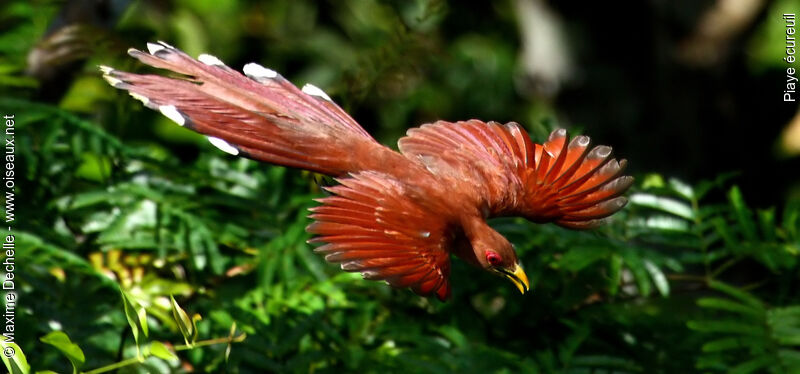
[(223, 145), (254, 70), (210, 60), (141, 98), (171, 112), (315, 91), (165, 44), (111, 80), (153, 48)]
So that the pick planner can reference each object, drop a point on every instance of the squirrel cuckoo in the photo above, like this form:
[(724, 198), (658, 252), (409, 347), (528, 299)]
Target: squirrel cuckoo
[(394, 216)]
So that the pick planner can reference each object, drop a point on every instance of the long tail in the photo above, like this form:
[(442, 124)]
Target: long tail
[(261, 115)]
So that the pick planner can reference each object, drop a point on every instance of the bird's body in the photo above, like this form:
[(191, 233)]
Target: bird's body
[(395, 216)]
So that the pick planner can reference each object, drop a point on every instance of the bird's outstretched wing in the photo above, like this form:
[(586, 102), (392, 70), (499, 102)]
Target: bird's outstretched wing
[(373, 226), (560, 181)]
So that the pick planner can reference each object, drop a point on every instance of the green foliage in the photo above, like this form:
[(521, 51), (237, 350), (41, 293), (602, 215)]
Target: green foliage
[(595, 294), (17, 363), (137, 319), (131, 228), (749, 336), (73, 352)]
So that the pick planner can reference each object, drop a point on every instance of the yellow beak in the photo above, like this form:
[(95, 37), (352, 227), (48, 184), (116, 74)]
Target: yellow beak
[(518, 277)]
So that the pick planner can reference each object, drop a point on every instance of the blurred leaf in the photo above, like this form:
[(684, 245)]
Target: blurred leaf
[(658, 277), (743, 214), (723, 304), (94, 167), (159, 350), (580, 257), (664, 204), (738, 294), (60, 340), (684, 190)]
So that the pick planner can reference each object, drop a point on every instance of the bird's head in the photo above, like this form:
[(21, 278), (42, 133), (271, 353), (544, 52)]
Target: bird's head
[(493, 252)]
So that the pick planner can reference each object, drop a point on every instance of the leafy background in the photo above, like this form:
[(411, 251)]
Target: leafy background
[(129, 228)]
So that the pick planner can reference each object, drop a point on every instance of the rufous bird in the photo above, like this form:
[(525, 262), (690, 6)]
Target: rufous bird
[(394, 216)]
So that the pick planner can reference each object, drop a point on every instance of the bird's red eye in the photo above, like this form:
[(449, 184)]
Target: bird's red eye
[(493, 258)]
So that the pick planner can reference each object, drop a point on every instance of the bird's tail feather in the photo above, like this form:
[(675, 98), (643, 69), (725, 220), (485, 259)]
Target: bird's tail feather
[(259, 115)]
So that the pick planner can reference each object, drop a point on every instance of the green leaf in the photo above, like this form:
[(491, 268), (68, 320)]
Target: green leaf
[(637, 267), (137, 319), (161, 351), (94, 167), (723, 229), (790, 358), (785, 325), (659, 279), (660, 223), (731, 306), (14, 358), (753, 365), (766, 220), (602, 361), (791, 222), (743, 214), (653, 181), (614, 274), (185, 324), (60, 340), (737, 293), (673, 206), (728, 326), (453, 335), (577, 258), (724, 344), (141, 313), (686, 191)]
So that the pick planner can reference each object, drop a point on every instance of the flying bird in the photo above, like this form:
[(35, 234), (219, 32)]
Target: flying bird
[(393, 216)]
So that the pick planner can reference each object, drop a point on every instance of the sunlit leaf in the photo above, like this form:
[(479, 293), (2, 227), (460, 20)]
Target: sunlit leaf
[(659, 279), (14, 358), (137, 318), (685, 190), (159, 350), (185, 324), (94, 167), (673, 206)]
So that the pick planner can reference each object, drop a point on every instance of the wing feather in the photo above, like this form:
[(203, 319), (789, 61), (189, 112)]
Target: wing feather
[(372, 226), (561, 181)]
